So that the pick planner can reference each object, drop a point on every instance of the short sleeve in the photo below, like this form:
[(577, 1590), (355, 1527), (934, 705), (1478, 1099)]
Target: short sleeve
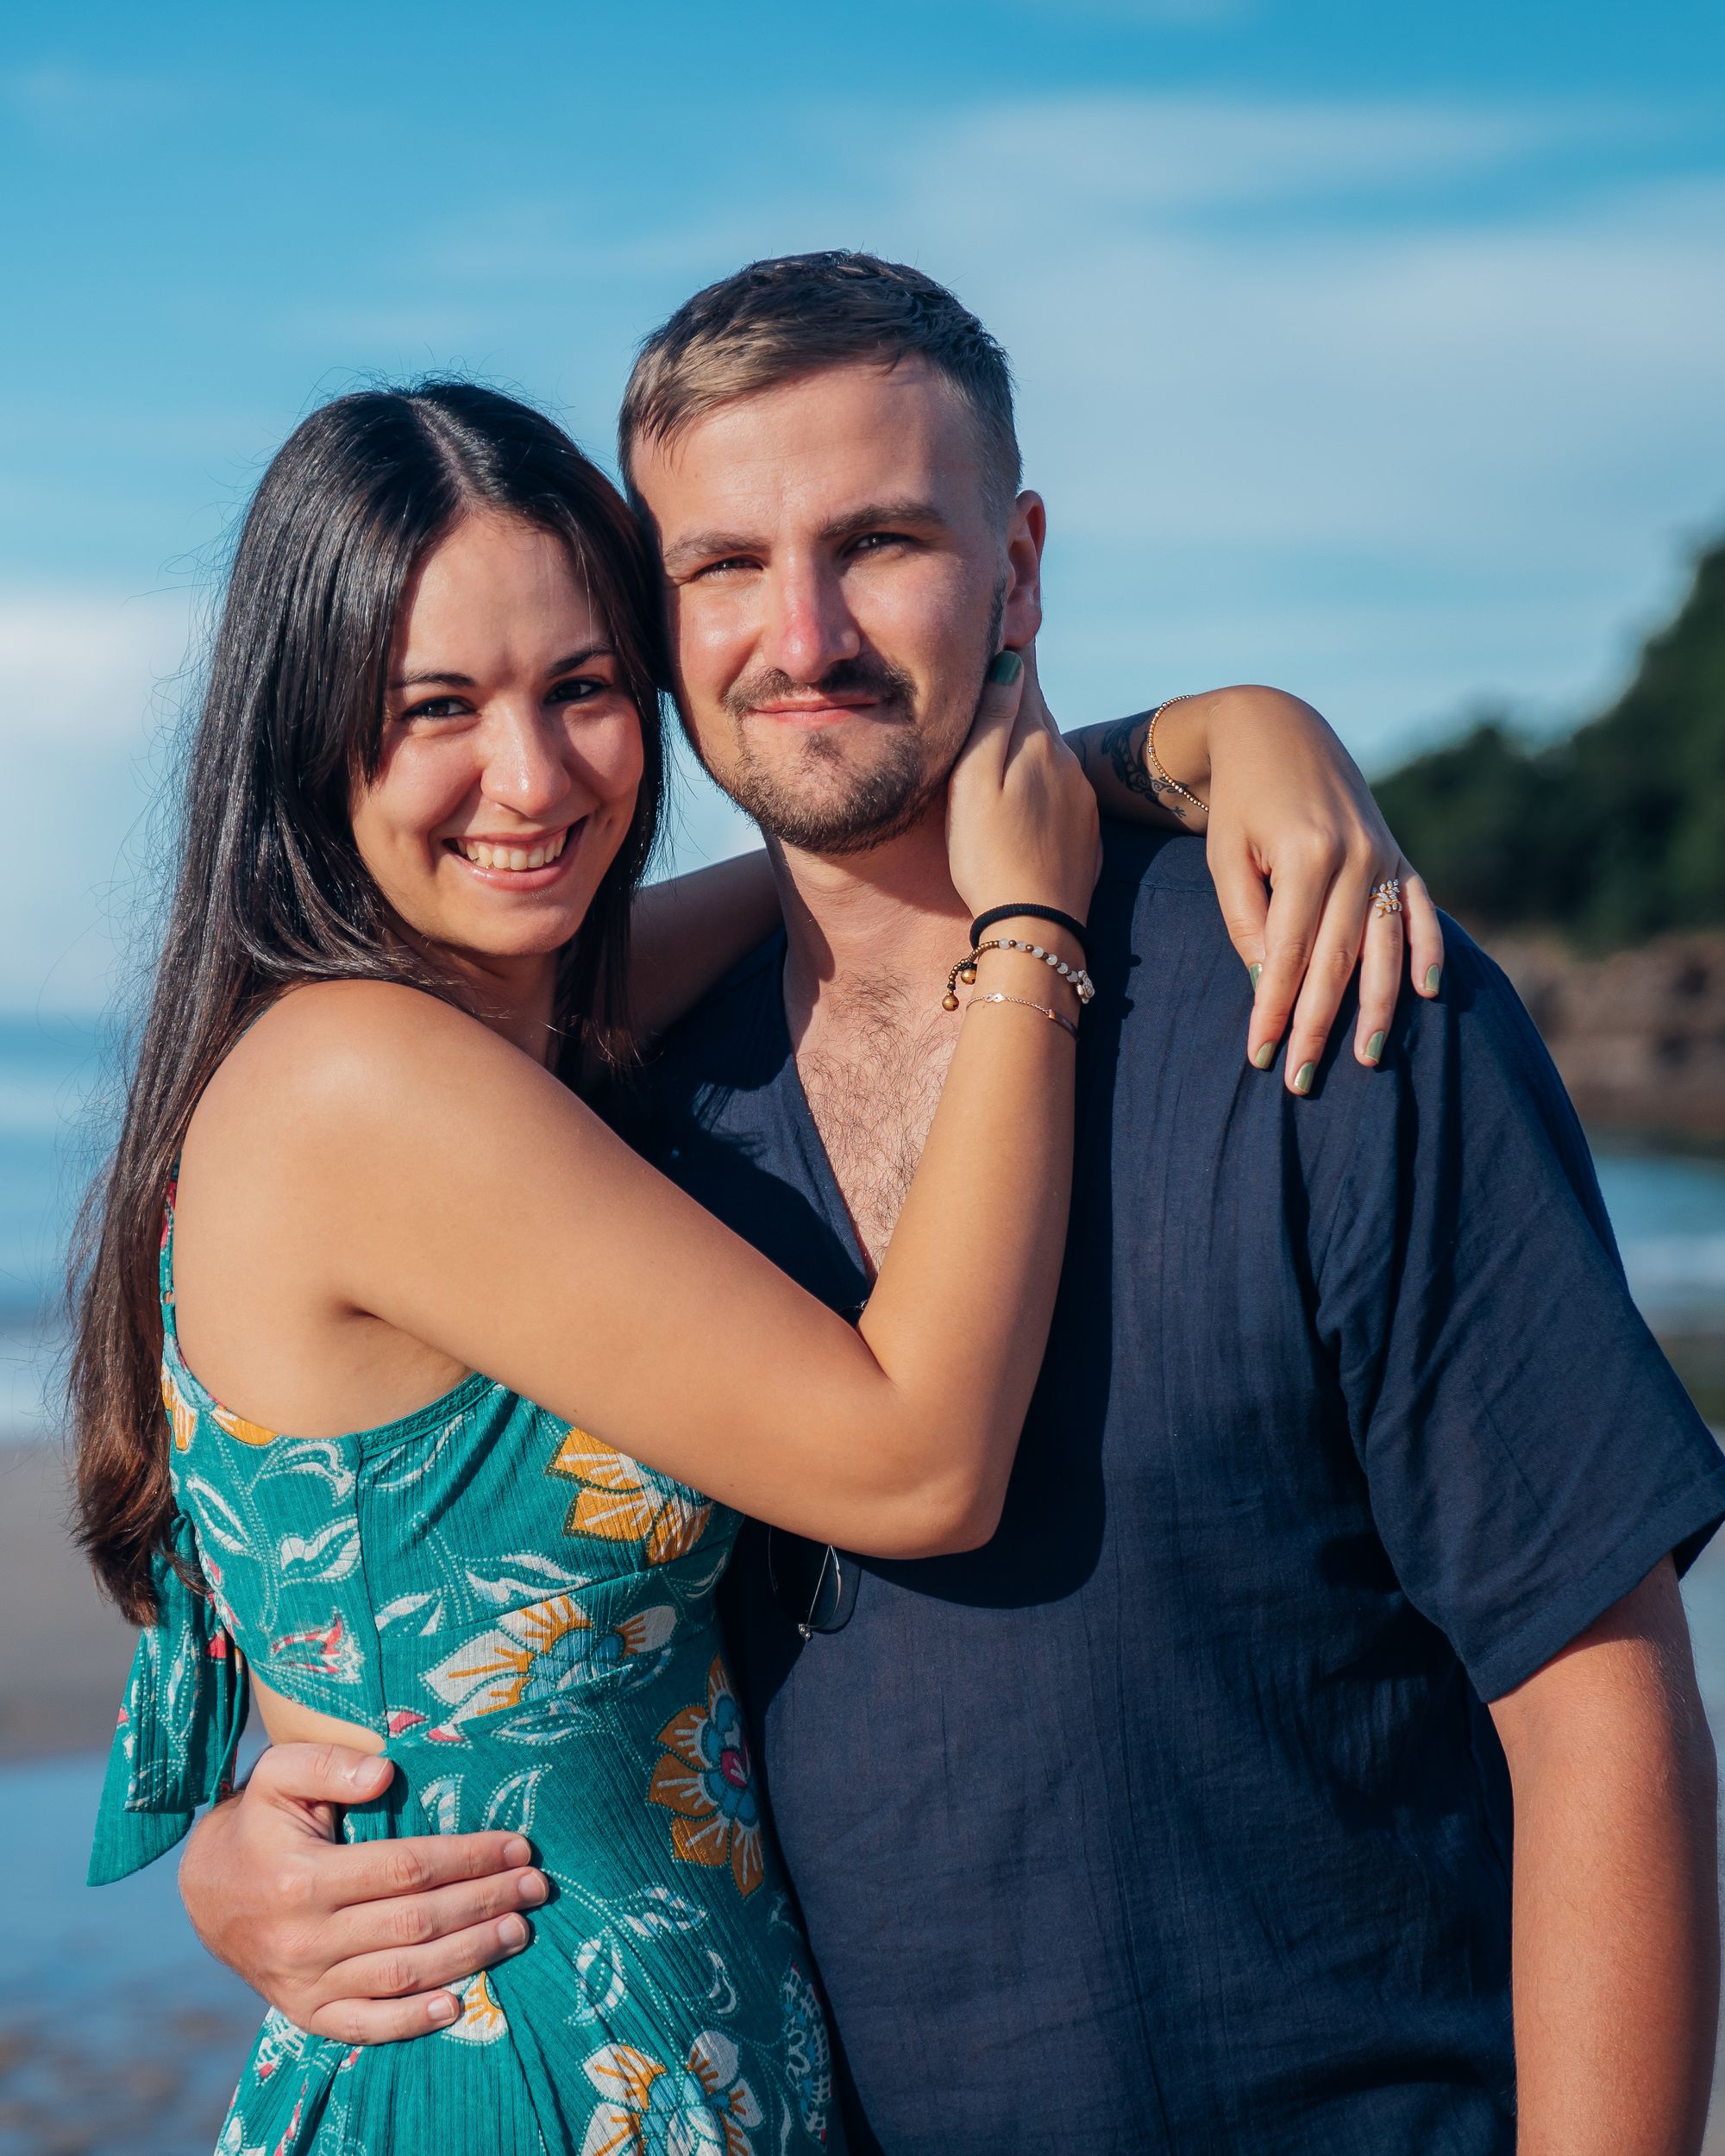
[(1529, 1452)]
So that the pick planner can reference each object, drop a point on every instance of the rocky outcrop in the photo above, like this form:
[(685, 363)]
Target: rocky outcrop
[(1639, 1035)]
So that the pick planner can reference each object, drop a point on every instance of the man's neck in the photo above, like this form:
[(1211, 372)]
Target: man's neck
[(855, 922)]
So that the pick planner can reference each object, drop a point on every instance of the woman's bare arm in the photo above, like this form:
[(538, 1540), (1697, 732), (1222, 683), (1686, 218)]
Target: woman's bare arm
[(1298, 848), (399, 1162), (687, 932)]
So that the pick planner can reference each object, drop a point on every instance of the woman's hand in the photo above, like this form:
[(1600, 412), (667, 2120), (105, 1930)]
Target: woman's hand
[(1021, 822), (1289, 809)]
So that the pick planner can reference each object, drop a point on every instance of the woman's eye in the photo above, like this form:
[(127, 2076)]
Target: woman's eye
[(576, 691), (435, 707)]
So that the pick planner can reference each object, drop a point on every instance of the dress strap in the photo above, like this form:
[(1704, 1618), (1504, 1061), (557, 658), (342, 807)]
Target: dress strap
[(179, 1725)]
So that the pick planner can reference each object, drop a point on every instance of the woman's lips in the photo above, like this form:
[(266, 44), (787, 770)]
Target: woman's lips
[(496, 856)]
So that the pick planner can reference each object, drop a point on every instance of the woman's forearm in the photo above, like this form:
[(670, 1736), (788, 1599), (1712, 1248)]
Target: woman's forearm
[(687, 932)]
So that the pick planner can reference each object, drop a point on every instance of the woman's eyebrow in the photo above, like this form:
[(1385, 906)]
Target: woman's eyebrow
[(583, 657), (420, 681)]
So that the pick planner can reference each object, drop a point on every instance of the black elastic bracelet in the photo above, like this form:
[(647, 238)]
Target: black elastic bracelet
[(984, 922)]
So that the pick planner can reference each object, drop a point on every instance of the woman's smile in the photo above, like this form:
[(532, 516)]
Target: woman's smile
[(519, 861)]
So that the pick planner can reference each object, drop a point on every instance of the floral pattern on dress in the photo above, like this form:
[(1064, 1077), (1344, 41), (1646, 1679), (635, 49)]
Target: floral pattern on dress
[(481, 2020), (705, 1778), (536, 1655), (809, 2051), (620, 1501), (705, 2108)]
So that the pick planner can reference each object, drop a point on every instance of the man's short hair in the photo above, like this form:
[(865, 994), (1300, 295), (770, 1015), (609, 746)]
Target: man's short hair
[(779, 320)]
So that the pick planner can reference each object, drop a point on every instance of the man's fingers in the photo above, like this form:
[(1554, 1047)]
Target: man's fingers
[(1425, 933), (380, 1870), (384, 2021), (321, 1774), (1380, 983), (421, 1920), (404, 1972)]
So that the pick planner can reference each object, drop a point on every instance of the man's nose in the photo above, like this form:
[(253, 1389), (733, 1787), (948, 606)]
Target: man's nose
[(810, 628), (526, 764)]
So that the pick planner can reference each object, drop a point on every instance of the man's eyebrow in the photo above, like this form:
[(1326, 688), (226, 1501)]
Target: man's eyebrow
[(583, 657), (895, 514)]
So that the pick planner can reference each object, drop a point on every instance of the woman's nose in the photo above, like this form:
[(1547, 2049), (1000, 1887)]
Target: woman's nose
[(527, 764)]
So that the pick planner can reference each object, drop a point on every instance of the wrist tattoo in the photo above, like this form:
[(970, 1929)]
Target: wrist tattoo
[(1130, 769)]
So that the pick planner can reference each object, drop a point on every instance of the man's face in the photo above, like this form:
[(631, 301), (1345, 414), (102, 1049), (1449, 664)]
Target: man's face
[(837, 584)]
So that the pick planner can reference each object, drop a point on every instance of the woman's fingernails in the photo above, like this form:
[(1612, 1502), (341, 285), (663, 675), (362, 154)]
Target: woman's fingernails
[(1303, 1077), (1433, 974), (1374, 1048), (1005, 668), (1255, 970), (1262, 1058), (443, 2010), (513, 1931)]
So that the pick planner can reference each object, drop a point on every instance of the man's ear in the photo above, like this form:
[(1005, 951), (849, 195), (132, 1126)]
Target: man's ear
[(1022, 614)]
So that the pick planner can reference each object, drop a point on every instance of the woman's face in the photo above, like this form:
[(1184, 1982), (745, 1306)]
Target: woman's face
[(511, 756)]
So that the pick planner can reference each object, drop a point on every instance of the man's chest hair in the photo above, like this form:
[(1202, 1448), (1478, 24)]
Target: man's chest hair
[(872, 1067)]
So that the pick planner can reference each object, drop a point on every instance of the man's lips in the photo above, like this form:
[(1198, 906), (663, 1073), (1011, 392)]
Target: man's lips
[(827, 710)]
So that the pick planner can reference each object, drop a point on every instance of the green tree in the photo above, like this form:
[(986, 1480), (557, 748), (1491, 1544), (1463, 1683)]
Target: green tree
[(1611, 836)]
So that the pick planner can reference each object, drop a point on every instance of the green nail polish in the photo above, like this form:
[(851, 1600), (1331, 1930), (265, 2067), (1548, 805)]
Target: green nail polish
[(1374, 1048), (1262, 1058), (1005, 668), (1255, 970), (1303, 1077), (1433, 974)]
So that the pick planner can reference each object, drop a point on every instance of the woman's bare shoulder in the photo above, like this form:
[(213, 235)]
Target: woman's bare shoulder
[(333, 1056)]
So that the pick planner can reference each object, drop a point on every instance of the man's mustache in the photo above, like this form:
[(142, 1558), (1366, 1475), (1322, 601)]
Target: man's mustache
[(873, 678)]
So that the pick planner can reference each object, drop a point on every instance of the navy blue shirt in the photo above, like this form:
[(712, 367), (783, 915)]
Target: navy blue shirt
[(1172, 1819)]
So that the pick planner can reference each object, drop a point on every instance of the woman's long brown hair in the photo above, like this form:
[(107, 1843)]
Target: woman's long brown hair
[(270, 890)]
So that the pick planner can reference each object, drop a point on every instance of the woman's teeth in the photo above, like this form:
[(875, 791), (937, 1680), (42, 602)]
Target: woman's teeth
[(485, 856)]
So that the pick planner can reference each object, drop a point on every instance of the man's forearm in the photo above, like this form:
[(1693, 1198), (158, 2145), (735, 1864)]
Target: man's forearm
[(1616, 1914)]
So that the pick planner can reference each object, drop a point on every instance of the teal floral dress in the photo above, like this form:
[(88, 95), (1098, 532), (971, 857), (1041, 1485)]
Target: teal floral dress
[(526, 1617)]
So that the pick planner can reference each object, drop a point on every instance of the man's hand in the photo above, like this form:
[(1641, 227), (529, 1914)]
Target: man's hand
[(350, 1942), (1616, 1904)]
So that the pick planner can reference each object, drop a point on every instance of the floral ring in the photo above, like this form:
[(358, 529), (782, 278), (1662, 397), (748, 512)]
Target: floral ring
[(1386, 897)]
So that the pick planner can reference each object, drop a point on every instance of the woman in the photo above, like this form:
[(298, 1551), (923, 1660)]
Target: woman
[(423, 786)]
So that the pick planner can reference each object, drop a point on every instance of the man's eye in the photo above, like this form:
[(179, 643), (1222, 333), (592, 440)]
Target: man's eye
[(731, 563), (872, 542)]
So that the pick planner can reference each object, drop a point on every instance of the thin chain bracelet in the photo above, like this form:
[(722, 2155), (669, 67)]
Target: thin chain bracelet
[(1153, 765), (1075, 977), (1025, 1003)]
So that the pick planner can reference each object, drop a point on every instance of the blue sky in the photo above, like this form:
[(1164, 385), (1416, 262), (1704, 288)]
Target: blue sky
[(1373, 352)]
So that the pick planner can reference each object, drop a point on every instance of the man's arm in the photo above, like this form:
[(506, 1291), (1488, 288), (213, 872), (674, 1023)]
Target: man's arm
[(353, 1942), (1617, 1909)]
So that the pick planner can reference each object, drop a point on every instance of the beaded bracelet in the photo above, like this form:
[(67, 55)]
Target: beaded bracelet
[(1025, 1003), (1153, 762), (1075, 976)]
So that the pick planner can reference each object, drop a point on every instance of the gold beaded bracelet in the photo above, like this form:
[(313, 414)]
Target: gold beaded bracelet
[(1152, 763), (1075, 977)]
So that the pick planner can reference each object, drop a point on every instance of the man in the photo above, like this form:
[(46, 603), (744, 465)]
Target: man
[(1173, 1819)]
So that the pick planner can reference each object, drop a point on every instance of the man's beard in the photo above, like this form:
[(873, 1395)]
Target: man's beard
[(817, 807)]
